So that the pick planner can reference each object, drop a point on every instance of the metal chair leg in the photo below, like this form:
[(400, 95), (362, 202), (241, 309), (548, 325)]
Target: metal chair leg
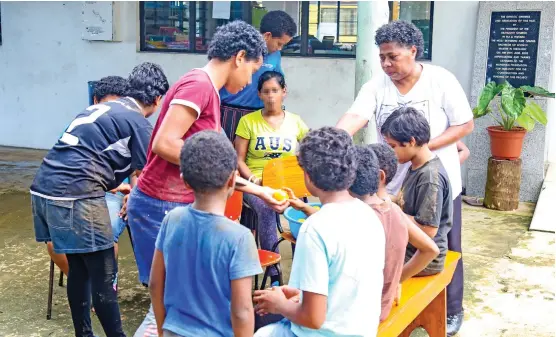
[(61, 280), (279, 270), (50, 291), (265, 277), (275, 247)]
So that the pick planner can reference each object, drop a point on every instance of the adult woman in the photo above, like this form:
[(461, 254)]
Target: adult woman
[(261, 136), (436, 93)]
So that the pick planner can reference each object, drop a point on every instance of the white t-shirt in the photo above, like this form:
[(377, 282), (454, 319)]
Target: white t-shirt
[(438, 95), (340, 254)]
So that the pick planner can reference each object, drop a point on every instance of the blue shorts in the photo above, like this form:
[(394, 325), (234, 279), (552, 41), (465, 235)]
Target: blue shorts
[(73, 226), (145, 215), (280, 329), (114, 201)]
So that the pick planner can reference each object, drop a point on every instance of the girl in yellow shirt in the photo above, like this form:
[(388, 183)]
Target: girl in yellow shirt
[(264, 135)]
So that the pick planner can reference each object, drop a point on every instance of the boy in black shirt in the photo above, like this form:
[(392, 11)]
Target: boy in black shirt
[(426, 195)]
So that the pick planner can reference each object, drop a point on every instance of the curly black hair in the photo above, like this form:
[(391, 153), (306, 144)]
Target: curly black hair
[(406, 123), (328, 157), (278, 23), (110, 85), (366, 178), (234, 37), (268, 75), (404, 33), (207, 160), (147, 82), (387, 160)]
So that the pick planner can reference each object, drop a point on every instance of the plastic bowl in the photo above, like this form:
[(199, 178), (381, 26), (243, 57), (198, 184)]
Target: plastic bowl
[(293, 216)]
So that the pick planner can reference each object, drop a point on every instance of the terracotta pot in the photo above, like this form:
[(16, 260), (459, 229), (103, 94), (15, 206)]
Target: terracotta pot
[(506, 144)]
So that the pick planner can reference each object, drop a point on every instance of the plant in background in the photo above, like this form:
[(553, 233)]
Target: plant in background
[(513, 106)]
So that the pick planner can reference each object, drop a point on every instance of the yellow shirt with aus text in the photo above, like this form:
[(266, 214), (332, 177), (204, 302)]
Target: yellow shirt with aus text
[(265, 142)]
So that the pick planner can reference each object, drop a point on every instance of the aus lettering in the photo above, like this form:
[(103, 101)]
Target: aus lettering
[(274, 144)]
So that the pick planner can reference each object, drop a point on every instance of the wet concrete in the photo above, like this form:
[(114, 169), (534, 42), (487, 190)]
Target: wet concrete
[(509, 286)]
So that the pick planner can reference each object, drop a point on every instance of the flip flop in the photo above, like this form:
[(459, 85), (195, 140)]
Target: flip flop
[(473, 201)]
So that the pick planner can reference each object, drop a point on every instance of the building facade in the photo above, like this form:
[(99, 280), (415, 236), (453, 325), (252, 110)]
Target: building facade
[(48, 53)]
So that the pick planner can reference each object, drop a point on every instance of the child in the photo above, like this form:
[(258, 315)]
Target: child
[(264, 135), (370, 186), (204, 263), (100, 148), (109, 88), (277, 29), (377, 165), (191, 105), (340, 285), (426, 195)]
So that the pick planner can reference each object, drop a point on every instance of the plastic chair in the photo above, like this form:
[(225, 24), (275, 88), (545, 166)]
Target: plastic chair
[(280, 173), (267, 258)]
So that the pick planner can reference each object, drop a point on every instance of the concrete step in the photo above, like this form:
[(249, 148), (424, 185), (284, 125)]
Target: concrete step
[(544, 217)]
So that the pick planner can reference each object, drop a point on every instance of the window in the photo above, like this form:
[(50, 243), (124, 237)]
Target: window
[(325, 28), (420, 14), (170, 26)]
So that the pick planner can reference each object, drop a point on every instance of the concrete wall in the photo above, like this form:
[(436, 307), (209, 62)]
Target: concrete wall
[(551, 111), (45, 65)]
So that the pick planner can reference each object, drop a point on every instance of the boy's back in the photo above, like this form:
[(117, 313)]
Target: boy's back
[(426, 195), (340, 254), (396, 234), (203, 253)]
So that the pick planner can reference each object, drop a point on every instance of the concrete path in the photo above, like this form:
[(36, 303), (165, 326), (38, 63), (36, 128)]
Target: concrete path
[(509, 286)]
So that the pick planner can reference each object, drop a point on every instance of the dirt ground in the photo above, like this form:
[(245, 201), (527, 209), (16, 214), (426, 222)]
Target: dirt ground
[(509, 271)]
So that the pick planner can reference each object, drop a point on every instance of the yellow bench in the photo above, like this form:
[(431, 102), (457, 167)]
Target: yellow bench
[(423, 304)]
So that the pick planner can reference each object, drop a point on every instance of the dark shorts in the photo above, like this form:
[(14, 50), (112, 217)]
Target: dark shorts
[(73, 226), (145, 215)]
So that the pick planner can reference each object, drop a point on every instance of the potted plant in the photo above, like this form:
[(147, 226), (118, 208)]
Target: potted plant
[(517, 114)]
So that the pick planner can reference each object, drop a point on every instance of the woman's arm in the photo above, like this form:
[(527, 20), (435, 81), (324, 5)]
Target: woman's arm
[(451, 135), (351, 123), (242, 145), (463, 152)]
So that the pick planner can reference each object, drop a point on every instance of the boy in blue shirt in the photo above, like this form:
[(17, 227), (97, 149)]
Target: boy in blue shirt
[(334, 288), (277, 28), (201, 275)]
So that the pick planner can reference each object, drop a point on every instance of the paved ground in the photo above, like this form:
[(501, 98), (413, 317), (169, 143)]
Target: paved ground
[(509, 288)]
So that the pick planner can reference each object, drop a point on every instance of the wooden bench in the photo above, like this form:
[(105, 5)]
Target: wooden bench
[(423, 304)]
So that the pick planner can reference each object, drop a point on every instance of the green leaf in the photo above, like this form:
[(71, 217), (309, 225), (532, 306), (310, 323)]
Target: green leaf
[(535, 112), (525, 121), (487, 94), (513, 101), (480, 113), (537, 91)]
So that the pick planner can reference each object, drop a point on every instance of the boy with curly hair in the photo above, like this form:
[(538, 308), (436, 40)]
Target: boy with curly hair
[(102, 146), (277, 29), (203, 265), (339, 286), (376, 168)]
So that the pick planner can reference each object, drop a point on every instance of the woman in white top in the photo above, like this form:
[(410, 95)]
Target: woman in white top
[(436, 93)]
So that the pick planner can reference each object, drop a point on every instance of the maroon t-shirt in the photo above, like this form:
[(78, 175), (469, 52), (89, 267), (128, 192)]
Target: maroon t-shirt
[(160, 179), (395, 231)]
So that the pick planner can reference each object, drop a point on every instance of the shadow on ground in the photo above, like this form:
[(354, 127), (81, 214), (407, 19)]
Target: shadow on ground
[(509, 286)]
